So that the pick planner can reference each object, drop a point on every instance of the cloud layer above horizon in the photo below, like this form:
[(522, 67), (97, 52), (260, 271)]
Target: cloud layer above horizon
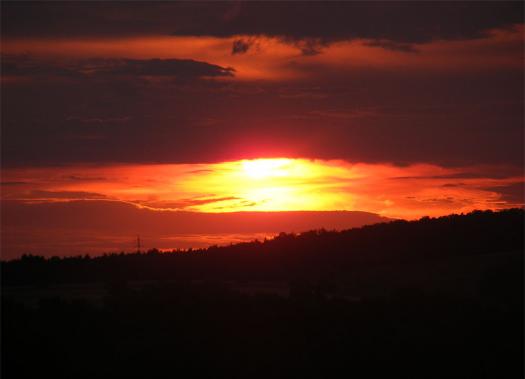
[(392, 82), (279, 184)]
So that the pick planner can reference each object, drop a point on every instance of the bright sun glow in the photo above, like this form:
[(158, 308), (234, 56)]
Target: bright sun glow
[(272, 185), (263, 168), (278, 184)]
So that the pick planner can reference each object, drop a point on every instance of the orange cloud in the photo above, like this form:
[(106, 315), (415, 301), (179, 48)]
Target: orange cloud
[(278, 184), (271, 58)]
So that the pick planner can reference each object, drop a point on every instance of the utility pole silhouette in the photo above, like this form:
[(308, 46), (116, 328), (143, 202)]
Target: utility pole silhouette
[(138, 244)]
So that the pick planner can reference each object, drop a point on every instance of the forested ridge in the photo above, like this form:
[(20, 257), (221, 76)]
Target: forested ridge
[(310, 254)]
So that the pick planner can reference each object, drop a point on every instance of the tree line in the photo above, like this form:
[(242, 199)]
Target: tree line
[(312, 254)]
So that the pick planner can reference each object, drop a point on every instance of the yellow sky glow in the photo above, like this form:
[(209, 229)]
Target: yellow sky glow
[(275, 184)]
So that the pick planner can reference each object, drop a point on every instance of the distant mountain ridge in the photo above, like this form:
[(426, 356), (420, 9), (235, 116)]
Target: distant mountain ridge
[(313, 254), (97, 226)]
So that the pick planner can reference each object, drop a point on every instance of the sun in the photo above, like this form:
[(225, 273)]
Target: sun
[(265, 168)]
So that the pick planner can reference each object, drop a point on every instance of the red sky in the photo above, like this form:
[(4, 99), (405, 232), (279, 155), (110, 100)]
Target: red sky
[(140, 110)]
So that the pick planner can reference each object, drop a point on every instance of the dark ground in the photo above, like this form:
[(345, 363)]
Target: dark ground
[(322, 311)]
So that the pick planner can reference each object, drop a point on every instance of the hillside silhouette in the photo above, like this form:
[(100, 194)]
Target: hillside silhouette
[(311, 254), (78, 224), (433, 298)]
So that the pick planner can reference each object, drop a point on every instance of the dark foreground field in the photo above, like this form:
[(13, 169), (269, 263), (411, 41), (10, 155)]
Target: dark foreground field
[(436, 298)]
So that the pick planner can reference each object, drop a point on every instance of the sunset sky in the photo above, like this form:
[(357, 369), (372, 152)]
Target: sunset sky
[(182, 122)]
